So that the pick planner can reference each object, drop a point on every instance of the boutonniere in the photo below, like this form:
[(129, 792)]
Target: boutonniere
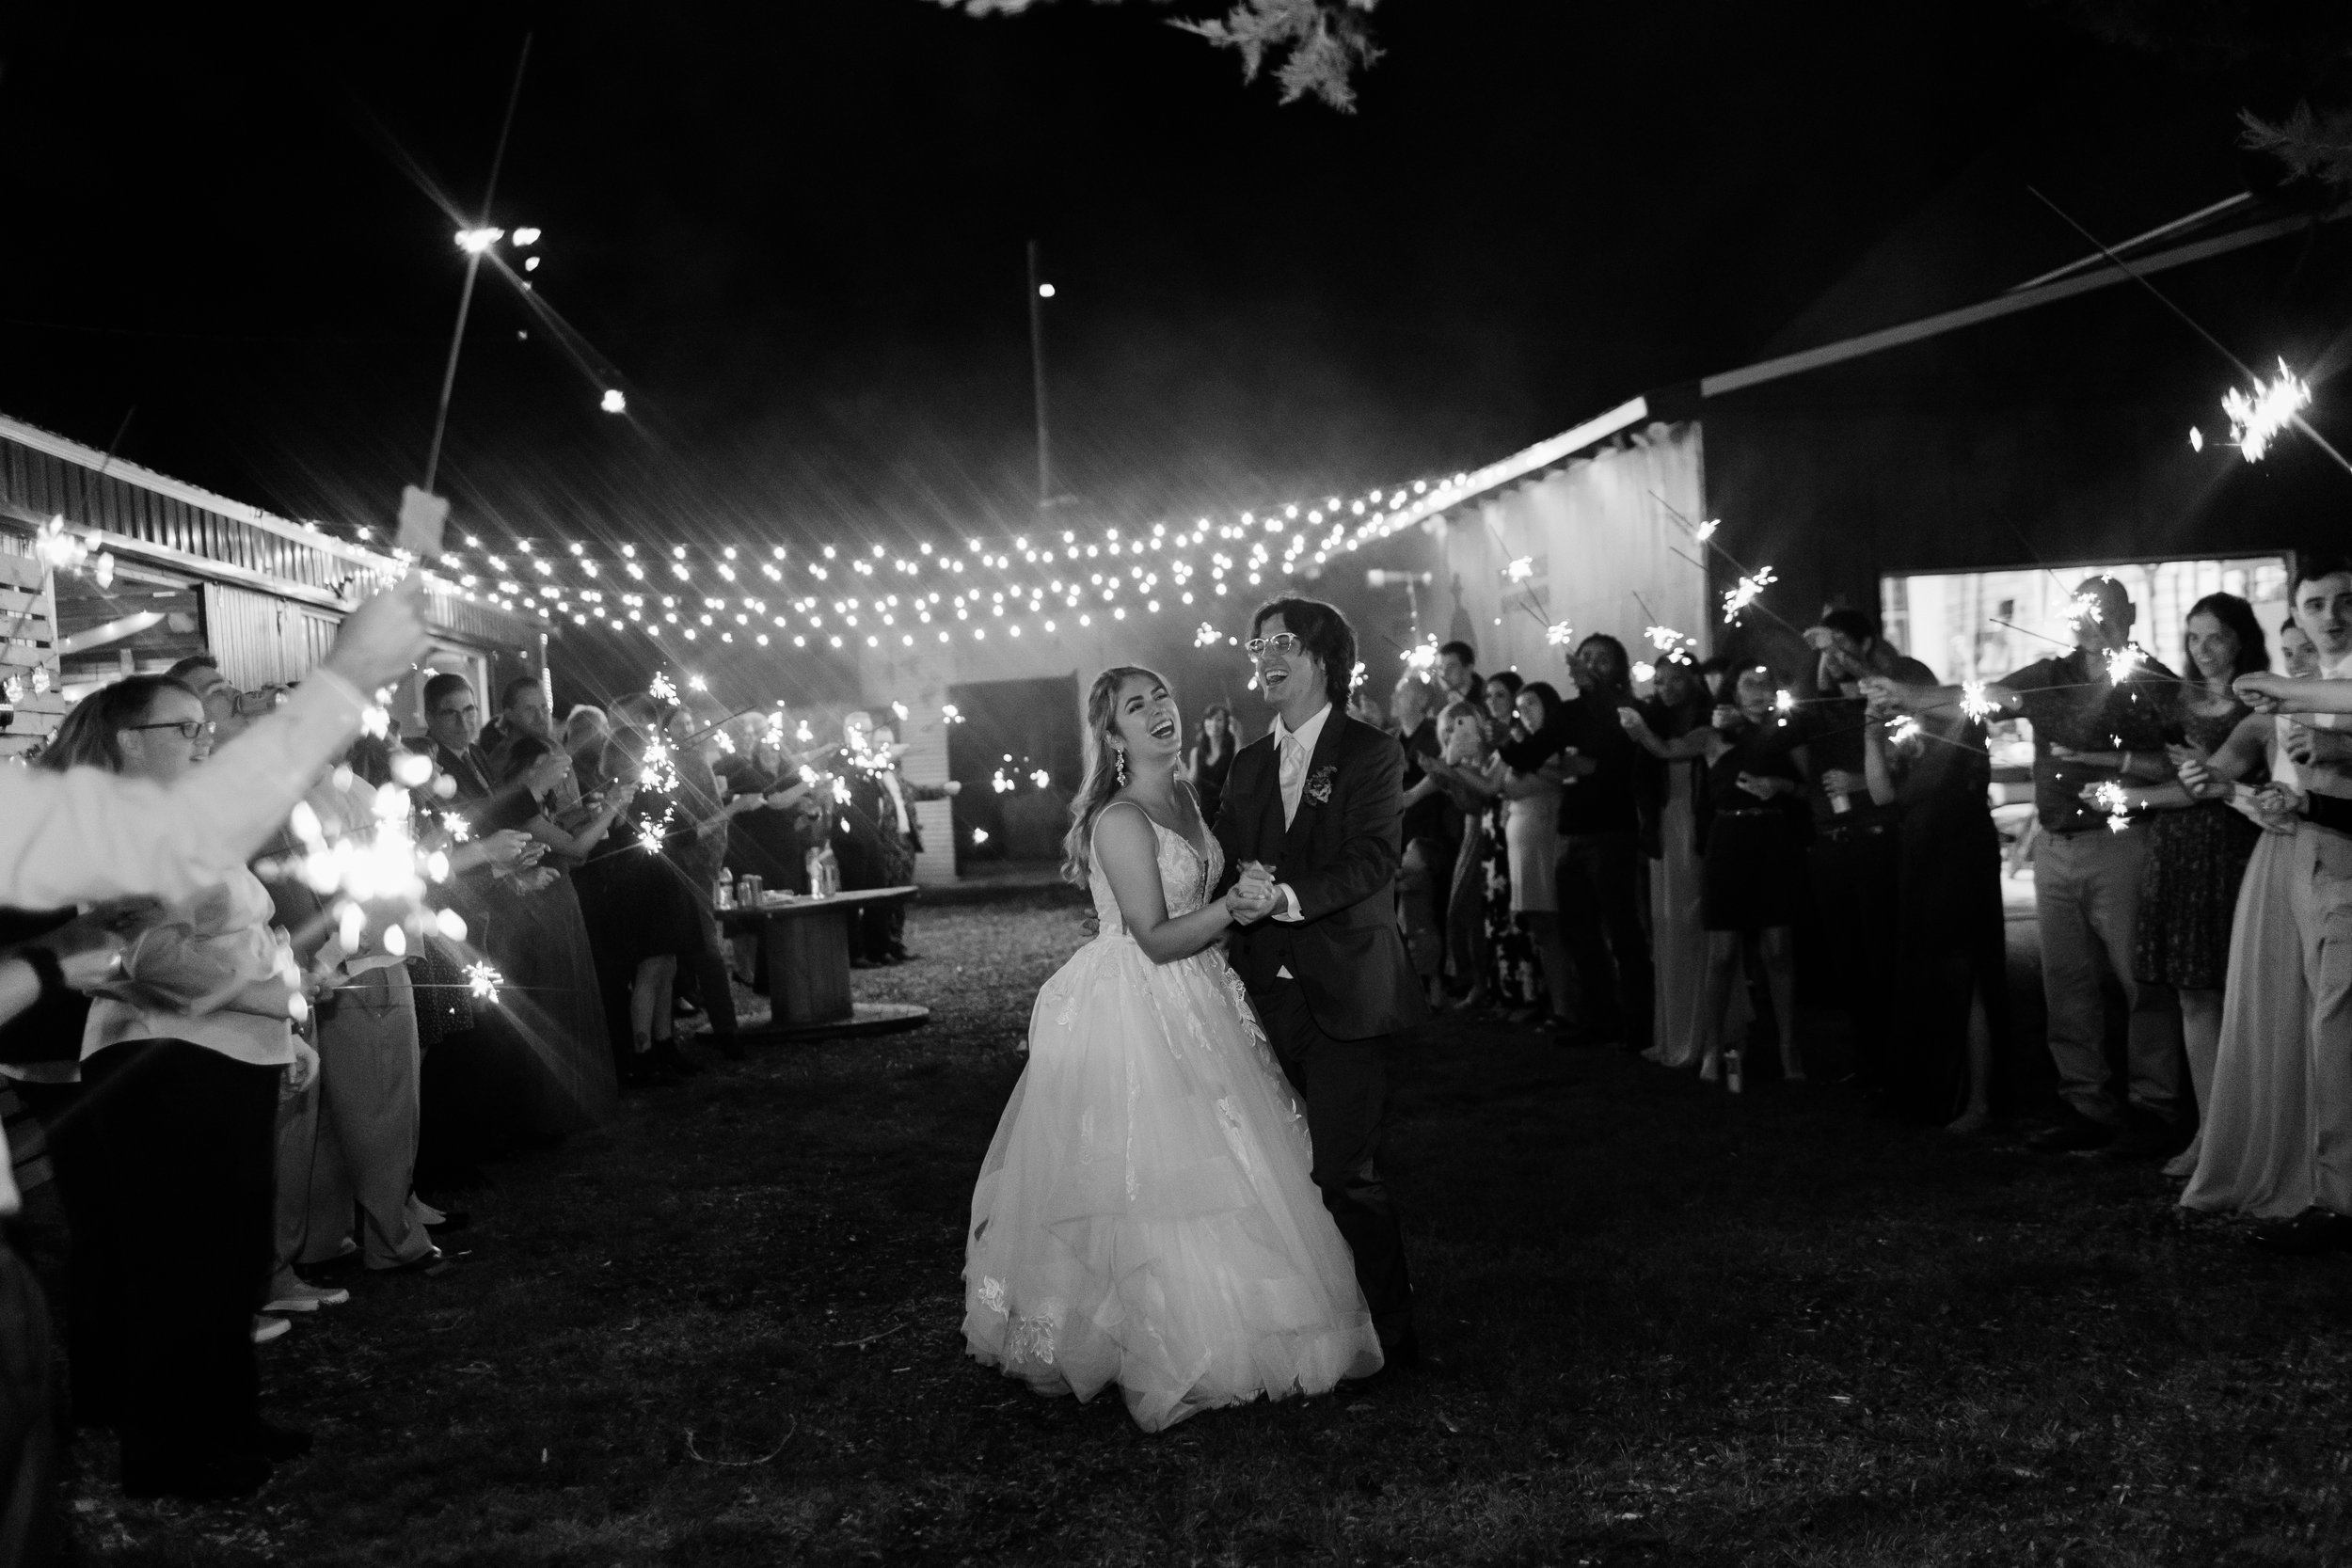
[(1319, 784)]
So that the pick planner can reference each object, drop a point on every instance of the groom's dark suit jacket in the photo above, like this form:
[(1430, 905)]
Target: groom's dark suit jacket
[(1340, 856)]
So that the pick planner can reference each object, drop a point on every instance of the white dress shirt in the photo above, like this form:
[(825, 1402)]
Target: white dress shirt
[(89, 835), (1292, 780)]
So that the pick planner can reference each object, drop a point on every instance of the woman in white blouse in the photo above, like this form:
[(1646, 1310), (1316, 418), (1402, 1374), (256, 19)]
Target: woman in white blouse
[(167, 1170)]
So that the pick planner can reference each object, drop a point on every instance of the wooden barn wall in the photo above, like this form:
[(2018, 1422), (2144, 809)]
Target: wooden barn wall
[(2055, 437)]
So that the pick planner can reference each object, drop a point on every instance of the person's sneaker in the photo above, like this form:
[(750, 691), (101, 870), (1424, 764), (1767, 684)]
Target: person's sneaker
[(2309, 1234), (301, 1296), (266, 1329), (2076, 1135)]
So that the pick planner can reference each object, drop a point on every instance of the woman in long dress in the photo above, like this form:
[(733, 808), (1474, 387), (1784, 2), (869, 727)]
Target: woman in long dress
[(2254, 1140), (1145, 1217), (1672, 728)]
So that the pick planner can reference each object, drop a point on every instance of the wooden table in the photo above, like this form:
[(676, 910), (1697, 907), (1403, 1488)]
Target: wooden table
[(806, 941)]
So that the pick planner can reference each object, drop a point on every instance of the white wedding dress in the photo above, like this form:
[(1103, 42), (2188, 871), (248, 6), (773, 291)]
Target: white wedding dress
[(1145, 1215)]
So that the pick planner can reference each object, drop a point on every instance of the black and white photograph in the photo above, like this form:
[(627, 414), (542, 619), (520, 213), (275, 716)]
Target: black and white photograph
[(1490, 784)]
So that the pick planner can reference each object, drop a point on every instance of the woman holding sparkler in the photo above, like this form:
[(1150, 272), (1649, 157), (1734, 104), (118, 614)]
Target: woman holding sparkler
[(2198, 851), (166, 1177), (1672, 727), (1949, 954), (2254, 1138), (1752, 881), (643, 915)]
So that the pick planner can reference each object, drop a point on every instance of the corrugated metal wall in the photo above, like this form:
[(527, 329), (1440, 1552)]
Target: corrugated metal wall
[(260, 639)]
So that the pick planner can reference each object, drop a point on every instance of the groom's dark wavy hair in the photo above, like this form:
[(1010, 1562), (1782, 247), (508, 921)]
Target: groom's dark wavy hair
[(1324, 632)]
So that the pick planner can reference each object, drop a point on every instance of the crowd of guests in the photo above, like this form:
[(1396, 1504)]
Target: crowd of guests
[(312, 1062), (1632, 870)]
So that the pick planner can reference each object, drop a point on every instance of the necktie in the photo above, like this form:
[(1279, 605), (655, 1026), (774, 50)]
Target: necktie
[(1293, 775)]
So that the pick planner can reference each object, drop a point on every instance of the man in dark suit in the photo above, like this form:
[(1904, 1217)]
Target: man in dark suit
[(1311, 827)]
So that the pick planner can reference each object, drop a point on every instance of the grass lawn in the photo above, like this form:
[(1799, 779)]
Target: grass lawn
[(1672, 1327)]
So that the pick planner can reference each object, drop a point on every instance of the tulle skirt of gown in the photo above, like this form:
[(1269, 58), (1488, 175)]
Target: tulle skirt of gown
[(2254, 1151), (1144, 1217)]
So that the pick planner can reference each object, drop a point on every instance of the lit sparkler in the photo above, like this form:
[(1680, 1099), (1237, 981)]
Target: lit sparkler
[(1903, 731), (2123, 662), (484, 982), (1422, 657), (661, 689), (2111, 798), (2256, 419), (1643, 671), (1521, 569), (948, 713), (1739, 597), (1706, 531), (1974, 701), (1559, 634), (1783, 702), (1042, 778), (980, 835)]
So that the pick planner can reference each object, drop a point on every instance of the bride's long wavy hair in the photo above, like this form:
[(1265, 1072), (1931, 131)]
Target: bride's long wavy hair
[(1101, 779)]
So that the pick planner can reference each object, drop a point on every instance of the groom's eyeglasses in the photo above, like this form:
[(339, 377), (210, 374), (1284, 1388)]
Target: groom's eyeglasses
[(1283, 642)]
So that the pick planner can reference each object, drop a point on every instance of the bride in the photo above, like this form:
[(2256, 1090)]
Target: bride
[(1144, 1217)]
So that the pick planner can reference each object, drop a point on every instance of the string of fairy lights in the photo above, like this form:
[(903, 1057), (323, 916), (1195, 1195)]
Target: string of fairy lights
[(843, 596)]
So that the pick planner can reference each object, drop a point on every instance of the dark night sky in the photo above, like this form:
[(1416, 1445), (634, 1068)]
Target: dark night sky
[(797, 231)]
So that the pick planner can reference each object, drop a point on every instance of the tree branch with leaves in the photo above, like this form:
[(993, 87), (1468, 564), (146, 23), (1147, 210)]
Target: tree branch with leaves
[(1315, 48)]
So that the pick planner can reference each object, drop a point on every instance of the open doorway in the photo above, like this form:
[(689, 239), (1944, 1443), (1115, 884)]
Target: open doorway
[(1020, 757), (1981, 625)]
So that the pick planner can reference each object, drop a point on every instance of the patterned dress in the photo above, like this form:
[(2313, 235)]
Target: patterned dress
[(1512, 977), (2188, 892)]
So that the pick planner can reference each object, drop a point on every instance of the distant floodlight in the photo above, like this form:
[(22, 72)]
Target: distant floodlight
[(613, 402), (526, 236), (473, 241), (1044, 291)]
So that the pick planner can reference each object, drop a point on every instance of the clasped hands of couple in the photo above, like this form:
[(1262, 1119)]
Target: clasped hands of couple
[(1255, 897)]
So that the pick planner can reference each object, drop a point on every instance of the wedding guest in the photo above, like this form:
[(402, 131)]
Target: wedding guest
[(1852, 859), (900, 795), (1210, 758), (771, 844), (1673, 726), (586, 730), (1424, 875), (2320, 590), (700, 854), (1510, 980), (1363, 705), (1532, 839), (1463, 759), (2198, 851), (185, 1056), (2099, 714), (1600, 855), (364, 1155), (1458, 674), (530, 1069), (2252, 1150), (1752, 878), (1503, 713), (1948, 959), (643, 918)]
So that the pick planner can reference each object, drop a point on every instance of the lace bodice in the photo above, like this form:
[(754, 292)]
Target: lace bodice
[(1186, 878)]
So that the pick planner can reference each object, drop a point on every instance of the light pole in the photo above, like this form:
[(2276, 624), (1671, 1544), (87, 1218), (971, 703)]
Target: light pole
[(1039, 292), (473, 241)]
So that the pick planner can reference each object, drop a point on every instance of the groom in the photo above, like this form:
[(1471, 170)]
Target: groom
[(1310, 826)]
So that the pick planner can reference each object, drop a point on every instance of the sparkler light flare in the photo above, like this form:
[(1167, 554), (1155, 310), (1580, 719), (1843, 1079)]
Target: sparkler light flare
[(1706, 531), (1783, 702), (1042, 778), (1903, 729), (2111, 798), (484, 982), (1205, 636), (1739, 597), (1422, 657), (1643, 671), (2257, 417), (473, 241), (2195, 439), (980, 835), (661, 689), (1559, 634), (1522, 568), (2123, 662), (1973, 701)]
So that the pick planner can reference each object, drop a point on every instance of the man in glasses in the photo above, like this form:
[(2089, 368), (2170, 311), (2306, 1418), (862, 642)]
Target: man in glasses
[(1311, 827)]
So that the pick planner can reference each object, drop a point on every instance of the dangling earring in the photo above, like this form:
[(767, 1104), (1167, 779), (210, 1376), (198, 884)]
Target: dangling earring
[(1118, 765)]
